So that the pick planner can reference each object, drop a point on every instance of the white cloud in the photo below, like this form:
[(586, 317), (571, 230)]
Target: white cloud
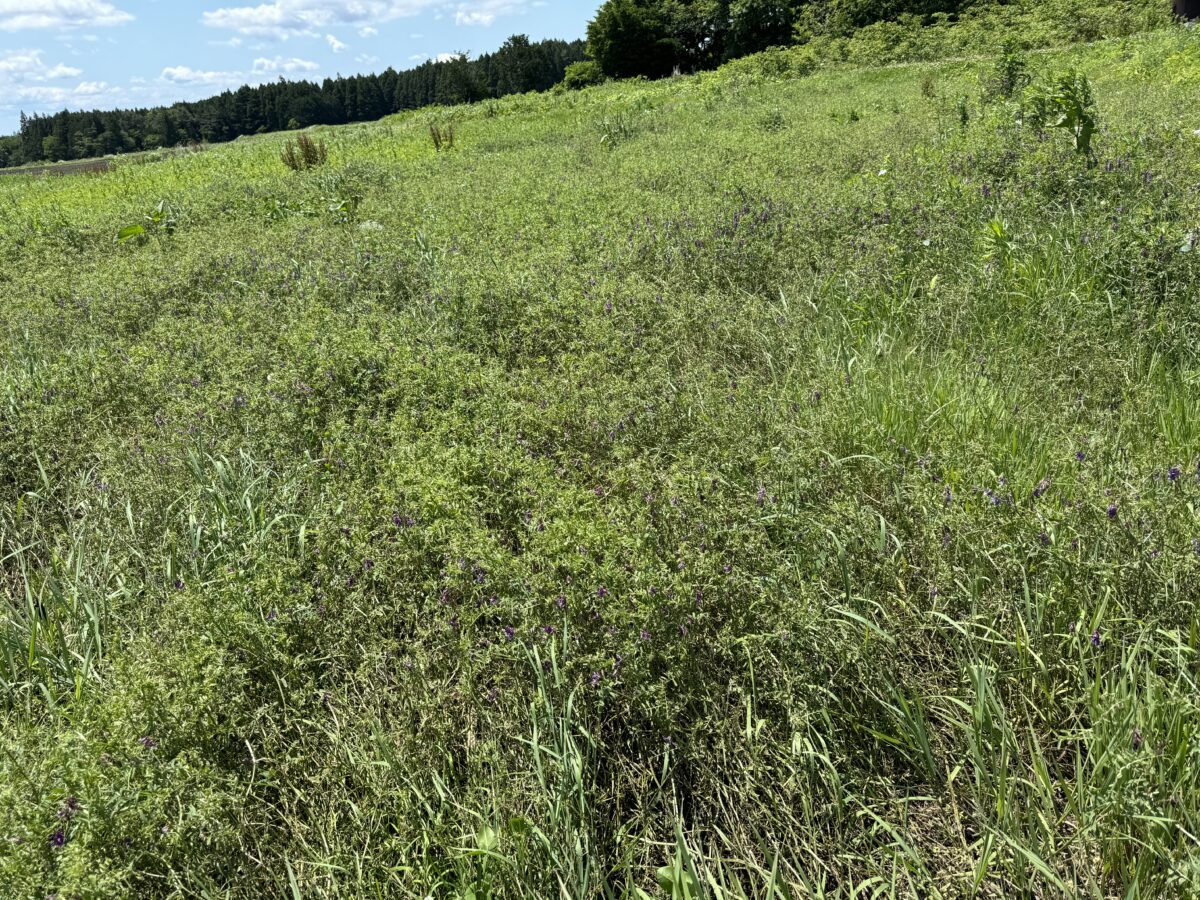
[(473, 17), (334, 44), (17, 15), (288, 66), (281, 19), (188, 75), (87, 94), (366, 59), (23, 66), (485, 12), (441, 57)]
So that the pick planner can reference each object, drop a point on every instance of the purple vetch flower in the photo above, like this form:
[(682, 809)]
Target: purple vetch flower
[(595, 679), (1173, 474), (1095, 639), (762, 496), (1080, 456), (1042, 487), (560, 601), (69, 808), (148, 742), (601, 592), (178, 584), (58, 839), (368, 565), (1045, 539), (1112, 510), (644, 635)]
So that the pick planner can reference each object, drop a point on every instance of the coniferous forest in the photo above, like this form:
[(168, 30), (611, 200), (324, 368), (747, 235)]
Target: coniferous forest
[(517, 67)]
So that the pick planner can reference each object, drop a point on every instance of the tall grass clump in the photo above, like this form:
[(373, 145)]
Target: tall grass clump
[(304, 153)]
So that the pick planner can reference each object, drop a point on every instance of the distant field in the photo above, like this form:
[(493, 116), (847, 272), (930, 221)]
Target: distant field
[(738, 486), (88, 166), (99, 164)]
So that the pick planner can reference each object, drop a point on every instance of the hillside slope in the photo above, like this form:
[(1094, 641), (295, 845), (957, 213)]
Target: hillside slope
[(753, 485)]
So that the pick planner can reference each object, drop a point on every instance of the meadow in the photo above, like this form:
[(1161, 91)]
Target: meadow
[(776, 482)]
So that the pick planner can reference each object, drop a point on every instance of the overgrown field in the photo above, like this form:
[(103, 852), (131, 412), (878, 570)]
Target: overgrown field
[(737, 486)]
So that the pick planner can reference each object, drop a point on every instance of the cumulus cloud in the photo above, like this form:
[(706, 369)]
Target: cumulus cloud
[(188, 75), (280, 65), (334, 44), (18, 15), (86, 94), (282, 19), (24, 66), (485, 12)]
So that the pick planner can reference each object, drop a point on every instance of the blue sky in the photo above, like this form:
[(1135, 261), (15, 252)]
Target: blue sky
[(86, 54)]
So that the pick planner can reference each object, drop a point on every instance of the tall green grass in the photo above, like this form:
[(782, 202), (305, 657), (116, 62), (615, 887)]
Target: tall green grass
[(740, 486)]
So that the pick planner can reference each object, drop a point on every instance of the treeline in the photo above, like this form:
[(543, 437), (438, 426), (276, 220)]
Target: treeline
[(517, 67), (656, 37)]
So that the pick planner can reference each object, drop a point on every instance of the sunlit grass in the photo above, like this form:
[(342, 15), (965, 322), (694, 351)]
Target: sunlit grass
[(735, 486)]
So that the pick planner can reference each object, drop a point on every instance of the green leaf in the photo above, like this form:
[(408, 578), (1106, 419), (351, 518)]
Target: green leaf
[(129, 231), (486, 839), (517, 825)]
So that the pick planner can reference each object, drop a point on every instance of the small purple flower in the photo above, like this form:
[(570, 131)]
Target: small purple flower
[(509, 633), (368, 565), (1173, 474), (1137, 739), (595, 679), (644, 635), (602, 592), (560, 601), (69, 808), (58, 839), (1095, 639), (178, 584), (1079, 456), (148, 742), (1112, 510), (762, 496), (1042, 487), (1045, 539)]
